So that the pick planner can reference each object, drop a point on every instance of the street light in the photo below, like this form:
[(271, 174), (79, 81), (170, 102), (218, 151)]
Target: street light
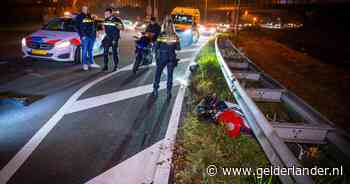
[(237, 16), (246, 13), (155, 8), (254, 20), (206, 11)]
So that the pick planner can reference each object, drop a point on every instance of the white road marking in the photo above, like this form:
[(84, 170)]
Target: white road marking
[(185, 60), (188, 50), (3, 62), (138, 169), (97, 101), (17, 161)]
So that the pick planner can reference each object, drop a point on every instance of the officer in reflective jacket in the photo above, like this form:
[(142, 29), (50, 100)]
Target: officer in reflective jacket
[(86, 28), (112, 27), (166, 44)]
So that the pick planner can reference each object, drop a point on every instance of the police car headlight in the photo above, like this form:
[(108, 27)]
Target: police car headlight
[(62, 44), (24, 42)]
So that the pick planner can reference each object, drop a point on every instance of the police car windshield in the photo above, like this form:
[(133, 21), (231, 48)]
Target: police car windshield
[(182, 19), (60, 24)]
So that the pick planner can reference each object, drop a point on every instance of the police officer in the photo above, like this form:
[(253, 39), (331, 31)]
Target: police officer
[(86, 28), (166, 45), (154, 28), (112, 26)]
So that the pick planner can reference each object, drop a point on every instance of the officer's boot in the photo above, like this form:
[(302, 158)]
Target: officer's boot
[(115, 56), (168, 93), (115, 68), (105, 60), (105, 68), (155, 93)]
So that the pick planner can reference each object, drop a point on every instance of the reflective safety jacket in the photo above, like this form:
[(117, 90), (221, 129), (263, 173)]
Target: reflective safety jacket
[(86, 25), (113, 25), (166, 46)]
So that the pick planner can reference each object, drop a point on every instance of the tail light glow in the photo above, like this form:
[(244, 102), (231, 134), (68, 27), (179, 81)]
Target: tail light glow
[(75, 41)]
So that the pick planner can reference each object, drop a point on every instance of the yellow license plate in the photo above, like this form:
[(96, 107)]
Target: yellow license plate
[(39, 52)]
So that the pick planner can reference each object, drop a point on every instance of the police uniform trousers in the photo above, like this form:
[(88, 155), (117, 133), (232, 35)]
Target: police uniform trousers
[(107, 44), (161, 64)]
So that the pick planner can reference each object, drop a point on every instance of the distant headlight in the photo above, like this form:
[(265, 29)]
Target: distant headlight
[(62, 44), (201, 28), (67, 14), (212, 30), (24, 42), (143, 26), (188, 31)]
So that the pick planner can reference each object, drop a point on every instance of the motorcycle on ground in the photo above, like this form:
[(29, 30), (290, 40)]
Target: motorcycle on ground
[(144, 51)]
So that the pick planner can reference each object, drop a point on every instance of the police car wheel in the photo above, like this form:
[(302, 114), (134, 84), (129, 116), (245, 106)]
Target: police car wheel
[(77, 55)]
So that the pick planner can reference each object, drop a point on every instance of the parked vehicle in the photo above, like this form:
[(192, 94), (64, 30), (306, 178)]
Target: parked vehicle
[(59, 41), (186, 22)]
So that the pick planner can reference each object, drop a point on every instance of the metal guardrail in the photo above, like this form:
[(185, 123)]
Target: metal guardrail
[(276, 150), (335, 136)]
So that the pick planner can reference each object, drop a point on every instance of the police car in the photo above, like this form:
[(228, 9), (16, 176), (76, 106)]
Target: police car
[(59, 41)]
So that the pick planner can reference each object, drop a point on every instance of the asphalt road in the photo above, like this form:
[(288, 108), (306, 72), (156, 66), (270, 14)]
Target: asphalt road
[(84, 123)]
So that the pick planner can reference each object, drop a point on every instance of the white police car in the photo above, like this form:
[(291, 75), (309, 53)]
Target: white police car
[(59, 41)]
